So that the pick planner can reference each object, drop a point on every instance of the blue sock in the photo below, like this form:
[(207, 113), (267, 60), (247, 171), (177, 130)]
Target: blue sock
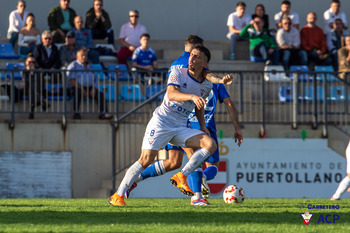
[(156, 169), (210, 172), (195, 181)]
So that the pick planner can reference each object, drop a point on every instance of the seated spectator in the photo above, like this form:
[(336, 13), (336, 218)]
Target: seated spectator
[(97, 19), (262, 45), (144, 58), (85, 84), (332, 14), (61, 20), (29, 36), (84, 38), (260, 11), (68, 51), (236, 21), (313, 41), (33, 86), (335, 40), (288, 41), (285, 10), (46, 54), (129, 37), (17, 20), (344, 59)]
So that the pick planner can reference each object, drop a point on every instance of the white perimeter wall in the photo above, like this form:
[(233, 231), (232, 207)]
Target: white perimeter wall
[(266, 168), (169, 19)]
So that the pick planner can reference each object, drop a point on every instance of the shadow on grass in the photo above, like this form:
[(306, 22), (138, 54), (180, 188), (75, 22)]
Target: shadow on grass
[(128, 216)]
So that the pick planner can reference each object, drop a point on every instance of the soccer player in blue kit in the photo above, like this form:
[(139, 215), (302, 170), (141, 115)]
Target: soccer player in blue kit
[(195, 180)]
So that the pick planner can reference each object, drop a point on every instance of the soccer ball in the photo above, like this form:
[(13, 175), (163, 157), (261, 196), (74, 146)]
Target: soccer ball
[(233, 195)]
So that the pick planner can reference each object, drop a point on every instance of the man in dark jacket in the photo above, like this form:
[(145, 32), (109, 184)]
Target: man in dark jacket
[(61, 20), (46, 54), (98, 21)]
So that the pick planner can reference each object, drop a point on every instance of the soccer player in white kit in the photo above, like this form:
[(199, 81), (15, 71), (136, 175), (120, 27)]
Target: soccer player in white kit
[(187, 89), (345, 183)]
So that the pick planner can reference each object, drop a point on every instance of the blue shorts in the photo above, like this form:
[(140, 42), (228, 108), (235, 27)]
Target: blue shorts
[(212, 159)]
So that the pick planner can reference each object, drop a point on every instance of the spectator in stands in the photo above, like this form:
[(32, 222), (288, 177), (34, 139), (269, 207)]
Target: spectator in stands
[(335, 40), (97, 19), (260, 11), (84, 38), (29, 36), (262, 45), (344, 59), (313, 41), (332, 14), (33, 86), (17, 20), (129, 37), (285, 10), (46, 54), (85, 84), (68, 52), (144, 58), (236, 21), (61, 20), (288, 41)]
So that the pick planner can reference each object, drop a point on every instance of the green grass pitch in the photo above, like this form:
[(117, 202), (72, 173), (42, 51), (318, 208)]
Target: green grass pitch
[(167, 215)]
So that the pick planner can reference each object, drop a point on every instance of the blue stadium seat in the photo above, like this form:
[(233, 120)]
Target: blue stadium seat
[(14, 66), (309, 93), (285, 94), (154, 89), (99, 71), (109, 91), (131, 93), (256, 59), (123, 75), (7, 51), (301, 77), (329, 77), (55, 92), (337, 94)]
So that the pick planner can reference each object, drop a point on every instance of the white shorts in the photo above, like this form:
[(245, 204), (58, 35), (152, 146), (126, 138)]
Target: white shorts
[(157, 135)]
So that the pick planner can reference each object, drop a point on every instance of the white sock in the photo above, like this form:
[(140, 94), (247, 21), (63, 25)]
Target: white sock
[(198, 157), (198, 195), (160, 168), (343, 185), (131, 175)]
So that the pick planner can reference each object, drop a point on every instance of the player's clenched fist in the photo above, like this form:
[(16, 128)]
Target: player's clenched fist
[(227, 79)]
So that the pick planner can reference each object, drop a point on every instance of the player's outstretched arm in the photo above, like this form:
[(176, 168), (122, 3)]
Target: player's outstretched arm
[(231, 109), (174, 94), (214, 78)]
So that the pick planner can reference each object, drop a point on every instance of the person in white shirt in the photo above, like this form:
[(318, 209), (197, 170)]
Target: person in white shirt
[(236, 21), (129, 37), (17, 21), (332, 14), (285, 11), (288, 41)]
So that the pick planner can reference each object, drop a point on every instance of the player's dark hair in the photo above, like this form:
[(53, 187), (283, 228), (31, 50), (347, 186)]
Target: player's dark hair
[(145, 35), (242, 4), (286, 3), (193, 40), (335, 1), (204, 50)]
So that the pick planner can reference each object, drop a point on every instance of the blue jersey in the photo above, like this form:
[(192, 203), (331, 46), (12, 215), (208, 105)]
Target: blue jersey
[(181, 62), (144, 57), (217, 93)]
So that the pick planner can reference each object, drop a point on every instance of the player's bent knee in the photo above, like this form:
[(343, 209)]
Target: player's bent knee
[(147, 157), (210, 145)]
